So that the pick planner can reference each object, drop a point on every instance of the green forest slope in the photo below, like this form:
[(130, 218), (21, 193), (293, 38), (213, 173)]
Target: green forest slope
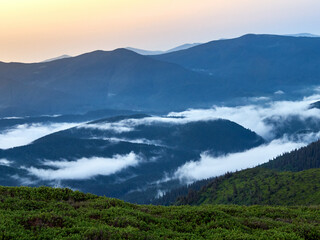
[(260, 186), (290, 179), (47, 213)]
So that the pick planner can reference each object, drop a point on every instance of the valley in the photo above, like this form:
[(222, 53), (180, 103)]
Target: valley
[(218, 140)]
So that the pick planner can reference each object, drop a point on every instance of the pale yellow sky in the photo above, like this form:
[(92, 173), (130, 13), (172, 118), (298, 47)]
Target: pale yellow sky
[(34, 30)]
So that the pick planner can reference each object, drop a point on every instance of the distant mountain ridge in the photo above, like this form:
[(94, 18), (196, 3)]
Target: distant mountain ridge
[(57, 58), (254, 63), (120, 79), (151, 52), (144, 52), (200, 76), (302, 35)]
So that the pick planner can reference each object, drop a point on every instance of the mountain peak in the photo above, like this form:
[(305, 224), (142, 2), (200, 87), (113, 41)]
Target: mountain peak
[(57, 58), (155, 52)]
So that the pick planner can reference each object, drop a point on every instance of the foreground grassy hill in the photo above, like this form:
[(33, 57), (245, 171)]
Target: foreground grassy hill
[(47, 213)]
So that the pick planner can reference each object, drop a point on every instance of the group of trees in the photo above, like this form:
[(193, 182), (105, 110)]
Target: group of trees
[(298, 160), (259, 186)]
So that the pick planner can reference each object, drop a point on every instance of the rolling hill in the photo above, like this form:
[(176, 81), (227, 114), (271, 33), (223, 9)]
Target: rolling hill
[(290, 179)]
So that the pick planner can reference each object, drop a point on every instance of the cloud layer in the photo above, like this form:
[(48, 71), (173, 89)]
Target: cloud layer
[(252, 116), (24, 134), (84, 168), (138, 141), (209, 166), (4, 162)]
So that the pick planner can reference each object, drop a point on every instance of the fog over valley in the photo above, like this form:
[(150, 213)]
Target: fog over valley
[(160, 119), (131, 125), (160, 152)]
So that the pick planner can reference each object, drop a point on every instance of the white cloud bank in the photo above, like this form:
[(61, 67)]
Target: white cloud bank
[(117, 127), (4, 162), (210, 166), (85, 168), (138, 141), (252, 116), (24, 134)]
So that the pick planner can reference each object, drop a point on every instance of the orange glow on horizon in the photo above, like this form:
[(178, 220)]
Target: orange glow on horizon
[(33, 30)]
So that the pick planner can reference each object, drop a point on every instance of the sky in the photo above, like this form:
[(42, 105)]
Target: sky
[(35, 30)]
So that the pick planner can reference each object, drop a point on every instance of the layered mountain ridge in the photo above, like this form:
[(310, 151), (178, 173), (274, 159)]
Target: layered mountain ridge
[(218, 71)]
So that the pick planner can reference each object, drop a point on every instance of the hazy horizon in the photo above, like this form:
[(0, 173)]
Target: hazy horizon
[(37, 30), (161, 51)]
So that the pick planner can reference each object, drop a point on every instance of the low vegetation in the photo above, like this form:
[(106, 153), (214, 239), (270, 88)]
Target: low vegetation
[(47, 213)]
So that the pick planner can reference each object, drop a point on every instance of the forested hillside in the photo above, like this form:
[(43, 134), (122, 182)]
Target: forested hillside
[(290, 179), (259, 186), (297, 160)]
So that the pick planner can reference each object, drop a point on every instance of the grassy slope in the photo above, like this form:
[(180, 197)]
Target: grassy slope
[(46, 213), (260, 186)]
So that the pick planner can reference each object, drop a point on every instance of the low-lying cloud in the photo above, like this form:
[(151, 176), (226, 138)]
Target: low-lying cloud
[(84, 168), (137, 141), (5, 162), (117, 127), (209, 166), (254, 116), (24, 134)]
